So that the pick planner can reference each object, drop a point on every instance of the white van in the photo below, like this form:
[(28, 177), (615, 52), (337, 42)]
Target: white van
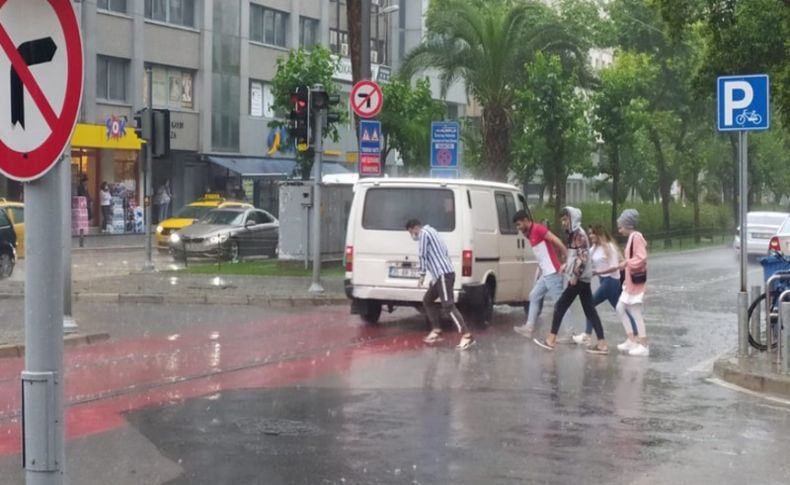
[(494, 264)]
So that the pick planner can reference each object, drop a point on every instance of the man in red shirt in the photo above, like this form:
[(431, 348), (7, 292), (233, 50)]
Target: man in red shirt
[(549, 251)]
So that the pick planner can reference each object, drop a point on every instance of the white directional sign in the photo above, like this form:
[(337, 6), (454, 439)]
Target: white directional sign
[(743, 103), (40, 84)]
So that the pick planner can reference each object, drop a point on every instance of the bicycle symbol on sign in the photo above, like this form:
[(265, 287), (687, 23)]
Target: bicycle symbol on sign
[(752, 117)]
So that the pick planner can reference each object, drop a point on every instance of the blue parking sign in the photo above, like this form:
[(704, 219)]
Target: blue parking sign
[(743, 103)]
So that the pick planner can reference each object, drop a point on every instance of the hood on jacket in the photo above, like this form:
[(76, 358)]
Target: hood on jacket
[(576, 218)]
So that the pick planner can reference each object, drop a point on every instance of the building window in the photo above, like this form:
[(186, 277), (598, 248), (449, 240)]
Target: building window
[(112, 5), (178, 12), (111, 78), (172, 88), (261, 100), (268, 26), (308, 32), (338, 42)]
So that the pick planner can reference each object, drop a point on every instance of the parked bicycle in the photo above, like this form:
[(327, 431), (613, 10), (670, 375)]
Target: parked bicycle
[(777, 264)]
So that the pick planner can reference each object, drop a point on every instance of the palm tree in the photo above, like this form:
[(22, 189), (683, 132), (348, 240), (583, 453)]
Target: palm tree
[(486, 44)]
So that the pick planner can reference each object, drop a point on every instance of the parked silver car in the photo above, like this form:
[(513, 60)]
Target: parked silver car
[(228, 233)]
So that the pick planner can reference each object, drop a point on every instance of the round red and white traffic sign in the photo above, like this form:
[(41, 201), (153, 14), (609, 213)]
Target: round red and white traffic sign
[(366, 99), (41, 76)]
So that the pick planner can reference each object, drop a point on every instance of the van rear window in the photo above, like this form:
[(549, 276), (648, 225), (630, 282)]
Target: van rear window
[(389, 208)]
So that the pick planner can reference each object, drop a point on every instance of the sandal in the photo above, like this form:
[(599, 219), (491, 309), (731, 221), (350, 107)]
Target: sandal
[(594, 349)]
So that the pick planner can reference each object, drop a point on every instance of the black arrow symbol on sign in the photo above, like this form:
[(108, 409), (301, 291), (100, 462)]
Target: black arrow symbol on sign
[(365, 99), (33, 52)]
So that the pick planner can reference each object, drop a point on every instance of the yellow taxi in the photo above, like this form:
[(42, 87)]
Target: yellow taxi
[(189, 214), (16, 212)]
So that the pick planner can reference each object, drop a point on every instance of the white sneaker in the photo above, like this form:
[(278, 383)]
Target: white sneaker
[(639, 351), (581, 339), (525, 330), (467, 341), (626, 346), (433, 337)]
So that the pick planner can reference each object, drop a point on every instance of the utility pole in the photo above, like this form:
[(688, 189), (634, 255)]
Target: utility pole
[(147, 182), (365, 34), (315, 231)]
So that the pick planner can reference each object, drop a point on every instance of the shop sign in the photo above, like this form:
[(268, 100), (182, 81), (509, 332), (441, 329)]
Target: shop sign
[(116, 127)]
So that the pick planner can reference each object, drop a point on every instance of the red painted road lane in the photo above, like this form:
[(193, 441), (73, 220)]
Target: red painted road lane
[(106, 380)]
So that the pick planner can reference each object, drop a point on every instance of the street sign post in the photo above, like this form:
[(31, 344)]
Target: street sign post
[(445, 136), (369, 148), (743, 105), (41, 49), (367, 99)]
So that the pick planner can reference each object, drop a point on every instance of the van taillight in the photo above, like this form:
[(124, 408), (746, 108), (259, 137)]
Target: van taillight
[(774, 244), (349, 258), (466, 264)]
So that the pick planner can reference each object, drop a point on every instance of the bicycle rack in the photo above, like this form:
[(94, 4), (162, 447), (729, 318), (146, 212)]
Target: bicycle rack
[(780, 324), (769, 335)]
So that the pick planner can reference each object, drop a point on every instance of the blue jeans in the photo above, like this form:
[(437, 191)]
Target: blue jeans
[(609, 290), (550, 285)]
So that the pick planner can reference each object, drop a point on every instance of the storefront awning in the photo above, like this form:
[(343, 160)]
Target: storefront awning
[(263, 167), (95, 136)]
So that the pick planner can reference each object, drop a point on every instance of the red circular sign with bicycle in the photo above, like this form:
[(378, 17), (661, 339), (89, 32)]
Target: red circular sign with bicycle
[(41, 48)]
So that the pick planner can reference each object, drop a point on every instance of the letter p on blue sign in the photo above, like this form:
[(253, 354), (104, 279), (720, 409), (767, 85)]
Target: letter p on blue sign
[(743, 103)]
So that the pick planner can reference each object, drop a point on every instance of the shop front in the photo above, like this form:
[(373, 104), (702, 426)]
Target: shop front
[(111, 154)]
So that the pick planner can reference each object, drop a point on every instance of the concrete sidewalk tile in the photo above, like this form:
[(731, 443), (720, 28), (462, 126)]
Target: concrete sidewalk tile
[(756, 373), (259, 300), (96, 297), (11, 296), (185, 299), (73, 340), (9, 351), (141, 298), (227, 299), (281, 302)]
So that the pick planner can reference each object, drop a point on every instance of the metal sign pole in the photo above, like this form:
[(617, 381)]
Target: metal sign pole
[(743, 298), (148, 192), (42, 380), (315, 242), (64, 171)]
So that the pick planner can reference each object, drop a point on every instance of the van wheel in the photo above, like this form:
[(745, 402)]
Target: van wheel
[(6, 265), (372, 313), (481, 315)]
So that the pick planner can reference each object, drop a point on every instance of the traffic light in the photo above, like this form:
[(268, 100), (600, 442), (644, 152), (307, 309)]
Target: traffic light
[(160, 141), (324, 101), (142, 126), (300, 118)]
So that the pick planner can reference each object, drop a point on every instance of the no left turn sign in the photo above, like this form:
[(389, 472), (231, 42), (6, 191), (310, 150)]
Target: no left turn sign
[(366, 99), (41, 76)]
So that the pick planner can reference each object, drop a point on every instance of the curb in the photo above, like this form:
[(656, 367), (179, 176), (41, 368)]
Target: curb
[(729, 370), (74, 340), (150, 299)]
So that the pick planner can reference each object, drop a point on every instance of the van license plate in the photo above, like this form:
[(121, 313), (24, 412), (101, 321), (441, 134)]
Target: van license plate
[(407, 273)]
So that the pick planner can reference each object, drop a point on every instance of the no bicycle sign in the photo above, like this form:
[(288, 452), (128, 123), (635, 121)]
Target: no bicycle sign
[(41, 76)]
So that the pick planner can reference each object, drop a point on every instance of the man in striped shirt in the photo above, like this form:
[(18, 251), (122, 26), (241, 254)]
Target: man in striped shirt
[(435, 259)]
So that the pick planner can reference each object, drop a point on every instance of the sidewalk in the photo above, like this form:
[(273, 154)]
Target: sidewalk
[(757, 372), (181, 288)]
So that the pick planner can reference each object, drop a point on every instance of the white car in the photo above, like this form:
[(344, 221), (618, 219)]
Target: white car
[(760, 228), (781, 241), (494, 263)]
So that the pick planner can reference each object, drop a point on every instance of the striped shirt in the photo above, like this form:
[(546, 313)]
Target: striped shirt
[(434, 257)]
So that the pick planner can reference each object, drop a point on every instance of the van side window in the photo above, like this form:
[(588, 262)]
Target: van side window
[(506, 209)]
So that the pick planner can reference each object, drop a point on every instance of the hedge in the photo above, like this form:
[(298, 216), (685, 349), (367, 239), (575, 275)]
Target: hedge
[(713, 218)]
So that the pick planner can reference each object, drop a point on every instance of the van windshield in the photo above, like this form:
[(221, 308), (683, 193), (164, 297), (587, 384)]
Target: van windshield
[(388, 209)]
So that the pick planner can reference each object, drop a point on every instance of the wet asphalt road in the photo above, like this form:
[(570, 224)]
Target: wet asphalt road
[(313, 397)]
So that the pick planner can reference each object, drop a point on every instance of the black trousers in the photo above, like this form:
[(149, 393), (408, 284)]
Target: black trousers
[(584, 292), (442, 289)]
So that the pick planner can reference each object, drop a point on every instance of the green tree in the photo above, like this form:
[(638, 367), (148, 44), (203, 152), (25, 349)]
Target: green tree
[(406, 120), (552, 131), (620, 110), (486, 44), (304, 68)]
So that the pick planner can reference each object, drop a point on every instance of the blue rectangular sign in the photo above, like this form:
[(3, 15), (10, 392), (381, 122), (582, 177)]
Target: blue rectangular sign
[(445, 173), (743, 103), (369, 136), (444, 144)]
